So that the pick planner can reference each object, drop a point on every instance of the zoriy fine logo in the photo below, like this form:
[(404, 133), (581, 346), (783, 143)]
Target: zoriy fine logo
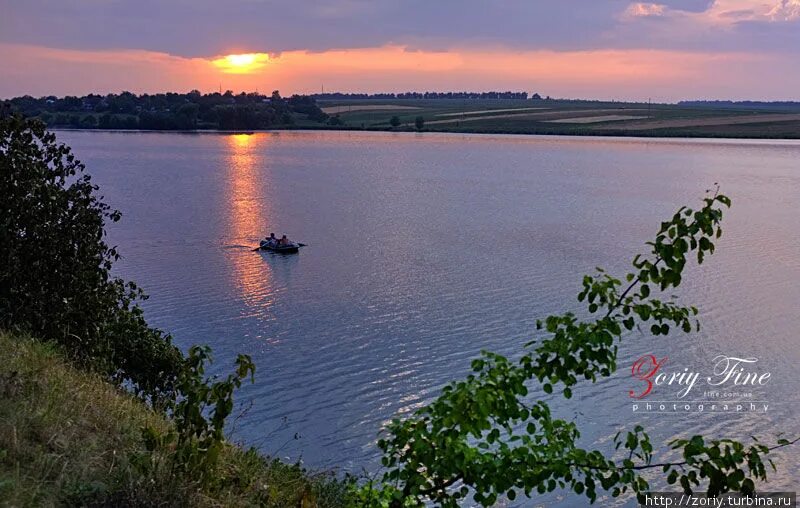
[(728, 384)]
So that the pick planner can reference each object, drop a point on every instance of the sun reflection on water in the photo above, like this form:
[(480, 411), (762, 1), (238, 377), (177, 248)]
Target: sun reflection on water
[(249, 211)]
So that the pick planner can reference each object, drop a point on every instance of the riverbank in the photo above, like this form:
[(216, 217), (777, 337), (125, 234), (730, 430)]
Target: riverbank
[(746, 131), (673, 137), (68, 438), (214, 113)]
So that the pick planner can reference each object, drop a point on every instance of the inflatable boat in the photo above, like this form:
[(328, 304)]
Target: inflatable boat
[(290, 248)]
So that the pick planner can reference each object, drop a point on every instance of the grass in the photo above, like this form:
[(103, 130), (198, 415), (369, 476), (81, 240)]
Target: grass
[(68, 438)]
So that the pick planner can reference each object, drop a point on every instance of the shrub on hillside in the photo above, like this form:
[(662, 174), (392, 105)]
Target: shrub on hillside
[(55, 265)]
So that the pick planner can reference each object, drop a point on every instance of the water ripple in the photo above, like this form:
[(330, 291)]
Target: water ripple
[(424, 250)]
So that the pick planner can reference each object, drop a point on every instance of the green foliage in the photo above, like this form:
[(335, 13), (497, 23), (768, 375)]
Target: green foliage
[(483, 436), (169, 111), (394, 121), (55, 280), (199, 415), (306, 105), (721, 463), (419, 123)]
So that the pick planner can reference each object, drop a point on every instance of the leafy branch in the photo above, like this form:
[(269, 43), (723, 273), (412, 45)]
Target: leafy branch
[(481, 436), (199, 412)]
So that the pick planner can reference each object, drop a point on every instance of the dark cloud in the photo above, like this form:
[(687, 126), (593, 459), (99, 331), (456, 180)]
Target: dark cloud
[(204, 27)]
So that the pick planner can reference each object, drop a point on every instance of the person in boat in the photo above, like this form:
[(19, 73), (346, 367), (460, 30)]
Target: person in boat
[(272, 240), (283, 241)]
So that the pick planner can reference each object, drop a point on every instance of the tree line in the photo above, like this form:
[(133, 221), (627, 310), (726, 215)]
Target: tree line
[(170, 111), (717, 104), (426, 95)]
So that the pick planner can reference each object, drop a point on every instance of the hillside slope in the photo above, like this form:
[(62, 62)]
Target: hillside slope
[(68, 438)]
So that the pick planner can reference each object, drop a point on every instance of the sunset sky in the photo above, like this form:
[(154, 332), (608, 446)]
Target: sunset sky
[(606, 49)]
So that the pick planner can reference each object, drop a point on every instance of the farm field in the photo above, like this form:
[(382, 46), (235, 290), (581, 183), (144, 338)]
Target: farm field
[(566, 117), (332, 110)]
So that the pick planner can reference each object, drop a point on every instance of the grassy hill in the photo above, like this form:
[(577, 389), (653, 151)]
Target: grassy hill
[(68, 438)]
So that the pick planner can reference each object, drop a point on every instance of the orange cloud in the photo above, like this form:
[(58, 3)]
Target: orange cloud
[(385, 58), (614, 74)]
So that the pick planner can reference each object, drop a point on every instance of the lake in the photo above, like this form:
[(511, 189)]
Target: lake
[(424, 249)]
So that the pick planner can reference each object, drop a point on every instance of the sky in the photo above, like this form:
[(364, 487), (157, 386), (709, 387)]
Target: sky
[(600, 49)]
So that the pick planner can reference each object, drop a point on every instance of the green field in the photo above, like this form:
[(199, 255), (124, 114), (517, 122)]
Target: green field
[(566, 118)]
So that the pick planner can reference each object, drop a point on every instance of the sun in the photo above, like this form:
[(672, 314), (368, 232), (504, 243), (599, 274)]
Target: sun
[(243, 63), (241, 60)]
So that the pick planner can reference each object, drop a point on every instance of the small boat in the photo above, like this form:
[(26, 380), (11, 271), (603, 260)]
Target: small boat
[(291, 248)]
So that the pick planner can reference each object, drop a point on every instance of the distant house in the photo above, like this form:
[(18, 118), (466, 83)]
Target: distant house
[(536, 97)]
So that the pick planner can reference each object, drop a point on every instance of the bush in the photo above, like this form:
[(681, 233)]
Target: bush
[(199, 415), (55, 273)]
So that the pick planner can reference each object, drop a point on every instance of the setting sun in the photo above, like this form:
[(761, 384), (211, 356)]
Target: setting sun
[(244, 63)]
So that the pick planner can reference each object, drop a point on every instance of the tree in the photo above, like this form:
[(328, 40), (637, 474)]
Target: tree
[(106, 121), (89, 122), (55, 274), (306, 105), (186, 116), (419, 123), (395, 121), (168, 111), (485, 436)]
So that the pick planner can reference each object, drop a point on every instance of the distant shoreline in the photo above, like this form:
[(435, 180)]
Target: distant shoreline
[(621, 134), (194, 112)]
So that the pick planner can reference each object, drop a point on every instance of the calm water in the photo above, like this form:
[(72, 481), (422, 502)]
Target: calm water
[(425, 249)]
